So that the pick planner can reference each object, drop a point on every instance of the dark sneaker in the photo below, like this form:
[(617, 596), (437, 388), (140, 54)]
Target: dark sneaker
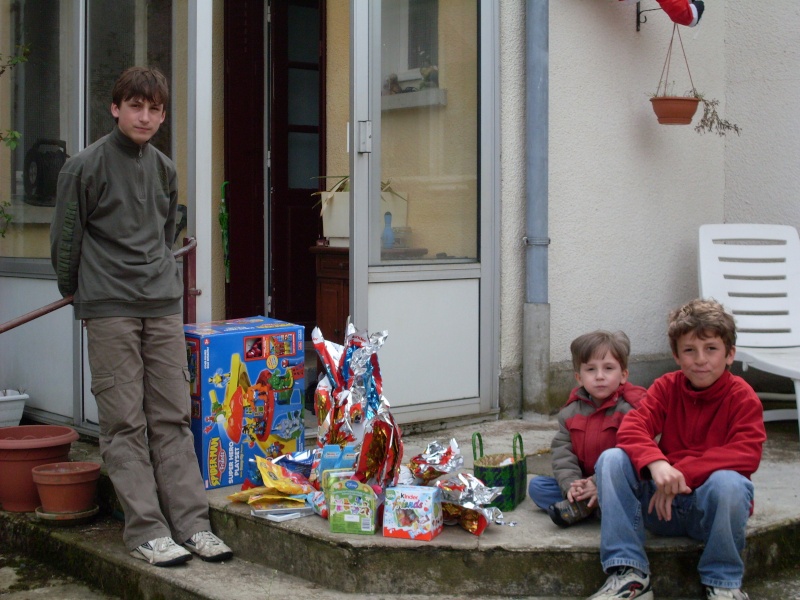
[(626, 583), (208, 547), (713, 593), (566, 513), (162, 552)]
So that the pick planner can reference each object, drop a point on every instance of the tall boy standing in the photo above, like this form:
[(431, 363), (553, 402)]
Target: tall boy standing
[(110, 241), (587, 425), (695, 480)]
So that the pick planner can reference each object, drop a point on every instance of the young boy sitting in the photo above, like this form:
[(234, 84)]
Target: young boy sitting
[(587, 425), (695, 481)]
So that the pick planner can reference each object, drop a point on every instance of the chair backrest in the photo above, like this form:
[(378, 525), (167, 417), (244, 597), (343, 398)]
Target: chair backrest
[(754, 271)]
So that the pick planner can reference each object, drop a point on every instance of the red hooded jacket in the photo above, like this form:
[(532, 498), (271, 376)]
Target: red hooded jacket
[(586, 430)]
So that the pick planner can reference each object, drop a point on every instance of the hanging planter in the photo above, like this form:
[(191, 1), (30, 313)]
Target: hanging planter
[(680, 110), (674, 110)]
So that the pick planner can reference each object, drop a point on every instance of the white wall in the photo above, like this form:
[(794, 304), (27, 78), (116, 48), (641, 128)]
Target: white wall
[(762, 170), (626, 195), (512, 174)]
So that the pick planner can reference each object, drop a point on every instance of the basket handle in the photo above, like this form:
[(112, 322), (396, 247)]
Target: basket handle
[(517, 438), (477, 436)]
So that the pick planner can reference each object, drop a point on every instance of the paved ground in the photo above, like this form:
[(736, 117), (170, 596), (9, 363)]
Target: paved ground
[(23, 578)]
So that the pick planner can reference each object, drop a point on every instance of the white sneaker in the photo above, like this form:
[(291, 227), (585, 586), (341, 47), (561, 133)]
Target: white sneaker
[(713, 593), (208, 547), (625, 583), (162, 552)]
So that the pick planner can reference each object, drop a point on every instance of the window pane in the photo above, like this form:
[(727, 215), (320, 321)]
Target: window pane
[(304, 97), (429, 139), (303, 34), (35, 101), (303, 159), (38, 98), (125, 33)]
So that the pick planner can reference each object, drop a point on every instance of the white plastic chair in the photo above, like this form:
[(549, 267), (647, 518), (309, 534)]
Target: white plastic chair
[(754, 271)]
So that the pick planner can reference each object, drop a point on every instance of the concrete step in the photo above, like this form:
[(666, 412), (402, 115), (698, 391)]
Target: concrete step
[(531, 558)]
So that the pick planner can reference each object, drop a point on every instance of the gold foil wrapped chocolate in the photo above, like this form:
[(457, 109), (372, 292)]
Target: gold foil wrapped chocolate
[(463, 500)]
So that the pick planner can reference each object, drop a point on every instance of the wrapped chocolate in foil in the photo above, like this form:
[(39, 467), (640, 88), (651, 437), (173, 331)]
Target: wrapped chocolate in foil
[(361, 371), (349, 395), (435, 461), (464, 497), (381, 450)]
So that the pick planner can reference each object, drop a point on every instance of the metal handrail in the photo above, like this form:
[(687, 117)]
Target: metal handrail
[(189, 292)]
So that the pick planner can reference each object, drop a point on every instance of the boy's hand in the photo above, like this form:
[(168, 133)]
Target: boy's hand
[(669, 483), (583, 489)]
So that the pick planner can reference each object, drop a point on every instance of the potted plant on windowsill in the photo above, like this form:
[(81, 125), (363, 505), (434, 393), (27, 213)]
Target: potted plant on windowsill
[(334, 206), (679, 110)]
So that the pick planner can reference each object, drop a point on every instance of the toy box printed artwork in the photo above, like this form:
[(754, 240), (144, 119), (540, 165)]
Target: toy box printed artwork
[(247, 381), (413, 512), (351, 507)]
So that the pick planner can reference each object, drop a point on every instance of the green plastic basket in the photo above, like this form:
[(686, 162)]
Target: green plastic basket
[(513, 478)]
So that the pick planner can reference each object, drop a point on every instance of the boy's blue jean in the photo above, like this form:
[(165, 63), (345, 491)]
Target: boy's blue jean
[(544, 491), (714, 513)]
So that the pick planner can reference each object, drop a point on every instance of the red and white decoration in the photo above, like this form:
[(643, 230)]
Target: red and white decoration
[(682, 12)]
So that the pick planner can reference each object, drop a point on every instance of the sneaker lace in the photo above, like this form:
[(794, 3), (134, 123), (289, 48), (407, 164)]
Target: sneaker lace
[(163, 544), (206, 538), (613, 580)]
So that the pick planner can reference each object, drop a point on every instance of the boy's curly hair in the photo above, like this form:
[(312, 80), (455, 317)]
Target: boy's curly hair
[(147, 83), (703, 318), (595, 345)]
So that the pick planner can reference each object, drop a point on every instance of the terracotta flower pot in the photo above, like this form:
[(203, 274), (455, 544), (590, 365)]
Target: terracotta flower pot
[(674, 110), (66, 487), (22, 448)]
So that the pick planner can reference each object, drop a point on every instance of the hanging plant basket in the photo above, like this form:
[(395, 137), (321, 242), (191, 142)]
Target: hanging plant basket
[(675, 110), (680, 110)]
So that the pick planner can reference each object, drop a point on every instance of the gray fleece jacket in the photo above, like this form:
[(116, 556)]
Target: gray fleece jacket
[(112, 230)]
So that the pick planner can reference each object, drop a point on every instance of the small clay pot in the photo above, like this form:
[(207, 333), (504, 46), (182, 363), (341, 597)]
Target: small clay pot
[(22, 448), (66, 487), (674, 110)]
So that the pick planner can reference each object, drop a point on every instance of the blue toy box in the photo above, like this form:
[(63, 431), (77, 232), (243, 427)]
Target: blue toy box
[(247, 387)]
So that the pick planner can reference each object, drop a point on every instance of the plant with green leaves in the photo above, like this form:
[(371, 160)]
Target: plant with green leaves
[(10, 137)]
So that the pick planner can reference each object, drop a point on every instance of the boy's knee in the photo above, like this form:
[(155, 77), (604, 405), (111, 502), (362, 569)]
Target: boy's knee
[(729, 487), (613, 458), (729, 482)]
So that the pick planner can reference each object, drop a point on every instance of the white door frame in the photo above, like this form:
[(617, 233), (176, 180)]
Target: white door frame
[(483, 276)]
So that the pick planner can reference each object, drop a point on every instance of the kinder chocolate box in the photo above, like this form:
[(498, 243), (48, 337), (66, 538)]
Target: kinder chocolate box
[(247, 379), (412, 512), (351, 507)]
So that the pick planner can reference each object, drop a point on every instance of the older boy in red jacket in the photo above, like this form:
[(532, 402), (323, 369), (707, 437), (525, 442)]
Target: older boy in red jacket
[(695, 481)]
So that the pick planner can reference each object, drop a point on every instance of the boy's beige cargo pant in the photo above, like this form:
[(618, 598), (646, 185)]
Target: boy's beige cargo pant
[(140, 381)]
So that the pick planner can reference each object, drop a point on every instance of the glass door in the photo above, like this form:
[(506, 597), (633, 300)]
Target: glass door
[(423, 193)]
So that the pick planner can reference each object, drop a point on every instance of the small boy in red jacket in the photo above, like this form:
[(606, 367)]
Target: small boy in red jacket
[(695, 480), (587, 425)]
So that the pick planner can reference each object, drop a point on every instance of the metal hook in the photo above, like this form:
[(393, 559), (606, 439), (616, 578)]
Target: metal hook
[(639, 12)]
